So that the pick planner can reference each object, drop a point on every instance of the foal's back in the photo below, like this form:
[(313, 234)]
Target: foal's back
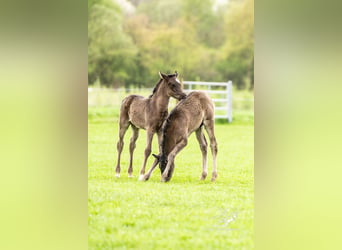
[(189, 115), (133, 109), (191, 112)]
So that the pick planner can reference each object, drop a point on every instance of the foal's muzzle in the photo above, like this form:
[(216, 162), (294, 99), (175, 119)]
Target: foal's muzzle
[(181, 96)]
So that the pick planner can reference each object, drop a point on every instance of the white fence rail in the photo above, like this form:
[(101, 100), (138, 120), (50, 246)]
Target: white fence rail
[(221, 94)]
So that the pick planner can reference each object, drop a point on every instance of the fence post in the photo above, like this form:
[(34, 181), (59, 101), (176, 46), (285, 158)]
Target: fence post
[(229, 101)]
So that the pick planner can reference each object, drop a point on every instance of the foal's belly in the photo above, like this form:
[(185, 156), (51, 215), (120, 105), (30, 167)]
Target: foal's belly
[(195, 122), (136, 113), (137, 119)]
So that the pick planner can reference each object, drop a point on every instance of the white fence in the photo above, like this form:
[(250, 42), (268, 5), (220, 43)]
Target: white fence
[(221, 94)]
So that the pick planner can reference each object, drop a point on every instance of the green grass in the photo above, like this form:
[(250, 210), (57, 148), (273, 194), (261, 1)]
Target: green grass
[(183, 214)]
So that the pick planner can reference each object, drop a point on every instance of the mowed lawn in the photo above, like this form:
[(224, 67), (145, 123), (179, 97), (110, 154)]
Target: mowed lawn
[(185, 213)]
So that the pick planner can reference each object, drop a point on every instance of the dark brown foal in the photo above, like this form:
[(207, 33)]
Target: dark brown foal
[(191, 114), (146, 113)]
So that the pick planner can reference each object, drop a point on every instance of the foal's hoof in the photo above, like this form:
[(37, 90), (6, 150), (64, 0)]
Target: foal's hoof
[(165, 179), (130, 176), (203, 176), (142, 178), (117, 175), (214, 176)]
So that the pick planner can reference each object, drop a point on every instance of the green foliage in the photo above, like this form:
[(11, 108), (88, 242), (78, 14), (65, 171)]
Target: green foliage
[(110, 50), (160, 11), (207, 23), (238, 57), (190, 36)]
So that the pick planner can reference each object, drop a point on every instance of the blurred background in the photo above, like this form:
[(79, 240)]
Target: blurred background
[(204, 40), (129, 41), (43, 94)]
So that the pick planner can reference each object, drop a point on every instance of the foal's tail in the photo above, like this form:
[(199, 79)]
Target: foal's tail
[(125, 104)]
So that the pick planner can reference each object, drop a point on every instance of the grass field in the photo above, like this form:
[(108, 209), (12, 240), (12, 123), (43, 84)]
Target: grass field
[(183, 214)]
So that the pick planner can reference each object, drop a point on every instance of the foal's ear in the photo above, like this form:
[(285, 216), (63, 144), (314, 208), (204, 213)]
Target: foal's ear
[(157, 157), (163, 76), (176, 73)]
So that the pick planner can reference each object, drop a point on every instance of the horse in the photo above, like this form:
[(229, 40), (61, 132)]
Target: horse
[(146, 113), (191, 114)]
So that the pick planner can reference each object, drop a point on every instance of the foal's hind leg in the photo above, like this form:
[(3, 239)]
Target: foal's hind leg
[(122, 130), (209, 127), (204, 146), (131, 149)]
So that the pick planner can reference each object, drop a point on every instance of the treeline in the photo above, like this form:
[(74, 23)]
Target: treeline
[(128, 43)]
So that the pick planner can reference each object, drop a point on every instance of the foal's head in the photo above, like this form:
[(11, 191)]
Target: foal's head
[(162, 161), (169, 141), (174, 87)]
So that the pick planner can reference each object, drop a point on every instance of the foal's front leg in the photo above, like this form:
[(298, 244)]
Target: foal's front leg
[(179, 146), (148, 175), (150, 134), (156, 161)]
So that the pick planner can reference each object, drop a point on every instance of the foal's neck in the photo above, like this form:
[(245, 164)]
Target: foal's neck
[(160, 99)]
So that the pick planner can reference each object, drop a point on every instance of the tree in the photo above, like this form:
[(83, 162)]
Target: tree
[(207, 22), (237, 62), (163, 47), (111, 52), (192, 36)]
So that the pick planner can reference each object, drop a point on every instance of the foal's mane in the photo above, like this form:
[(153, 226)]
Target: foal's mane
[(166, 128), (156, 87), (158, 84)]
